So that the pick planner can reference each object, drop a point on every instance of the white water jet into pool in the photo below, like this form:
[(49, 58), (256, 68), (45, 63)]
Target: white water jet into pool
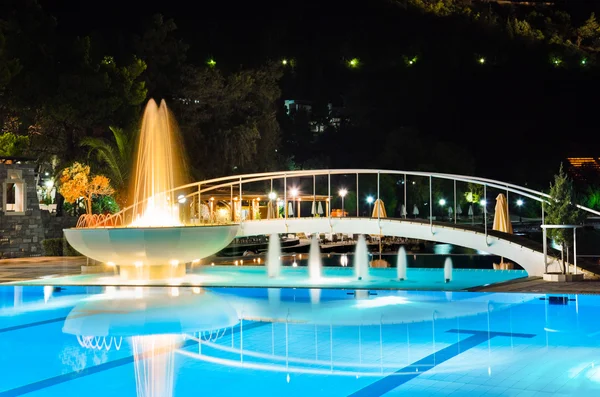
[(314, 260), (448, 270), (401, 264), (274, 256), (361, 259), (315, 295)]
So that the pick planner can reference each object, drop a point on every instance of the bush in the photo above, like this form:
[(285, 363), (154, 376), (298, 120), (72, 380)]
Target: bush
[(58, 247), (53, 246)]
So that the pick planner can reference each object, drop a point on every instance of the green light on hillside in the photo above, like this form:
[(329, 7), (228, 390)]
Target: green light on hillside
[(211, 63), (354, 63), (284, 62), (481, 60)]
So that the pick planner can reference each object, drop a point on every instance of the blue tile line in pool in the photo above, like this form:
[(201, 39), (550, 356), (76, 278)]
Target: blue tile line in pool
[(42, 384), (409, 372), (28, 325)]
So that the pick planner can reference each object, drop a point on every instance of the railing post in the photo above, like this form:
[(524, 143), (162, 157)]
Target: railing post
[(405, 203), (285, 204), (485, 212), (455, 201), (200, 203), (231, 207), (575, 248), (357, 202), (314, 205), (430, 205), (241, 206)]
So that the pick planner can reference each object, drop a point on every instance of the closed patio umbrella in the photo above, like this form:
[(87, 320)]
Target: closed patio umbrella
[(320, 209), (458, 210), (379, 209), (450, 212), (470, 213), (501, 218), (313, 210), (290, 209), (415, 210), (502, 222), (403, 211)]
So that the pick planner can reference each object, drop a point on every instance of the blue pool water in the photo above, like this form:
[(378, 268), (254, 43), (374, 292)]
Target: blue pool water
[(180, 341), (332, 277)]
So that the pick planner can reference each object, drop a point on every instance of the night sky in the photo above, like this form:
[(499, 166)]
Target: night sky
[(322, 34)]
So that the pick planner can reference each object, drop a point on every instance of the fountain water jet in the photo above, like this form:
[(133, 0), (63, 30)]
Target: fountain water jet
[(448, 270), (401, 264), (159, 168), (361, 259), (274, 256), (314, 260)]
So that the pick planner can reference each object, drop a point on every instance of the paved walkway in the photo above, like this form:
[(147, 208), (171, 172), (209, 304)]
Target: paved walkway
[(20, 269), (538, 285)]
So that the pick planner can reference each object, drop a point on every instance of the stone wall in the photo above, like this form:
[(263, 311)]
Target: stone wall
[(22, 235)]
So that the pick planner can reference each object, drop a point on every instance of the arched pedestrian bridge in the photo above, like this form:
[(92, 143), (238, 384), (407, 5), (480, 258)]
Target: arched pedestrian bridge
[(341, 201)]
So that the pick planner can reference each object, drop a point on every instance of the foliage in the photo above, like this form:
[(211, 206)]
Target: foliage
[(12, 145), (562, 209), (58, 247), (104, 205), (114, 159), (164, 56), (588, 32), (474, 193), (76, 182), (229, 121)]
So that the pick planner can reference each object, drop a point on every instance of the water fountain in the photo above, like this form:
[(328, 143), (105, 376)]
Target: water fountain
[(401, 264), (148, 240), (274, 256), (314, 260), (448, 270), (361, 259)]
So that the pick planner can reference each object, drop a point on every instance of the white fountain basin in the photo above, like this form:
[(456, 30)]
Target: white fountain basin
[(155, 246)]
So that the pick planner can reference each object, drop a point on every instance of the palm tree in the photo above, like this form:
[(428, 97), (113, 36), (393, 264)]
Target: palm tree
[(114, 158)]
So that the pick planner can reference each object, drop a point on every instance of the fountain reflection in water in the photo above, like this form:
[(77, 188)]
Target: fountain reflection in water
[(159, 168), (448, 270), (361, 259), (314, 260), (401, 264), (274, 256), (154, 357)]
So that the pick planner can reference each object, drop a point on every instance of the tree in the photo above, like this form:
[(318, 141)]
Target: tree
[(114, 158), (229, 121), (164, 56), (589, 31), (562, 210), (11, 143), (76, 183)]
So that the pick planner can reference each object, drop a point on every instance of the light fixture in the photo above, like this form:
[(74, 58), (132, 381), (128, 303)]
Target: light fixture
[(442, 202), (272, 196), (138, 263), (354, 63), (520, 202), (284, 62), (174, 262), (483, 203), (481, 60), (181, 199), (49, 183), (111, 264), (211, 63), (343, 192), (370, 199), (293, 192)]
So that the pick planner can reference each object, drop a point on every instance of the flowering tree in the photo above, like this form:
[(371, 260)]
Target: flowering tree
[(76, 182)]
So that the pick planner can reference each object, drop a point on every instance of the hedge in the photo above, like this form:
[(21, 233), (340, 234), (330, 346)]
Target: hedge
[(58, 247)]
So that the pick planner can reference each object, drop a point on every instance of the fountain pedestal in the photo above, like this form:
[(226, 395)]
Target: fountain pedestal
[(155, 272)]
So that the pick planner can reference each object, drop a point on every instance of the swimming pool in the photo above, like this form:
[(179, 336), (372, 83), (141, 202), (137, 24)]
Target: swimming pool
[(98, 341)]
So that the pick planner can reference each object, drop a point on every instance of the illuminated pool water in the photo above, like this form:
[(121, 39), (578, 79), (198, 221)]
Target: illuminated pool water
[(98, 341)]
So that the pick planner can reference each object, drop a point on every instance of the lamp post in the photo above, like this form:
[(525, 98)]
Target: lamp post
[(294, 193), (519, 205), (370, 200), (342, 194)]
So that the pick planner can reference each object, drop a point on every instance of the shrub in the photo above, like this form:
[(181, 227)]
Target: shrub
[(58, 247), (53, 246)]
